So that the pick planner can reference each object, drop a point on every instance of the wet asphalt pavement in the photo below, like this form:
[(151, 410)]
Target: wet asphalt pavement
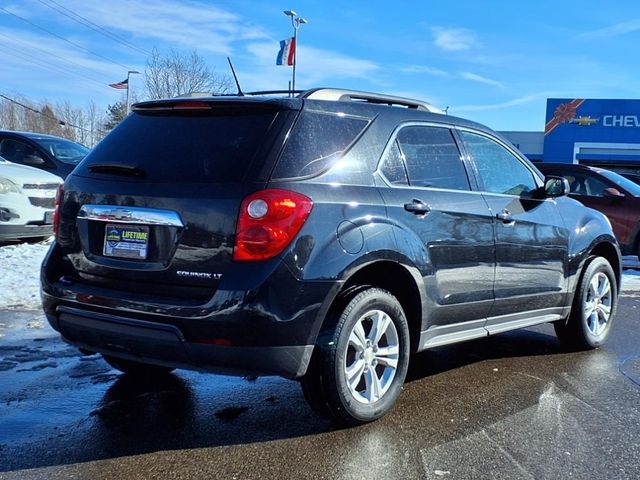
[(511, 406)]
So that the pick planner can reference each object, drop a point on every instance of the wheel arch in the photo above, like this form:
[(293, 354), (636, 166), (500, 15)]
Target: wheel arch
[(388, 275), (608, 251)]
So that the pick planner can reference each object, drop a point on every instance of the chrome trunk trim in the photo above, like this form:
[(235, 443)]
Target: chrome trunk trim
[(138, 215)]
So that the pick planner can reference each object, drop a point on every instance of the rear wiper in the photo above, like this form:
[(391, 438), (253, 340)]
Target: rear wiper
[(117, 169)]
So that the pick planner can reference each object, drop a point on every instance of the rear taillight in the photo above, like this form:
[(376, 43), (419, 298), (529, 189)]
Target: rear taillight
[(56, 211), (268, 221)]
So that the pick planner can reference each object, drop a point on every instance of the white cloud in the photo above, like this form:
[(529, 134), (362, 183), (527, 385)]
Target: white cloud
[(436, 72), (454, 39), (508, 104), (314, 66), (185, 24), (480, 79), (621, 28)]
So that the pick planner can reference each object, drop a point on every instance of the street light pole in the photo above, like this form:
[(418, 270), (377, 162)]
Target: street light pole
[(296, 21), (126, 111)]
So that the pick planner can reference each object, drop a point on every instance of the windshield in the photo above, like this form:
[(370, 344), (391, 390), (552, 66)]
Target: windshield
[(630, 186), (64, 150)]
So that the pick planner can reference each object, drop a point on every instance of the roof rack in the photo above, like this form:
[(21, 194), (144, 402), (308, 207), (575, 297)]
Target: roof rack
[(275, 92), (343, 95)]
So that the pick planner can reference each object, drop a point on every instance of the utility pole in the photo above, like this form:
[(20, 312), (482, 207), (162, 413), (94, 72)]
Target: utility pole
[(126, 111), (296, 21)]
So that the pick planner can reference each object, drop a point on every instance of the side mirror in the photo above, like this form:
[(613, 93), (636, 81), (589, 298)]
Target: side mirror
[(555, 186)]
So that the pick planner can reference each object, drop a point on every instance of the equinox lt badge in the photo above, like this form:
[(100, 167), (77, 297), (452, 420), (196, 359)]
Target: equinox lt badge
[(203, 275)]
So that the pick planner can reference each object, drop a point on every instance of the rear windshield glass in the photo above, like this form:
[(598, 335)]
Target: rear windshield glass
[(317, 142), (184, 146)]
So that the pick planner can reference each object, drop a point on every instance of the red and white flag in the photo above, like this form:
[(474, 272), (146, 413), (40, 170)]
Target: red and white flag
[(120, 85), (287, 52)]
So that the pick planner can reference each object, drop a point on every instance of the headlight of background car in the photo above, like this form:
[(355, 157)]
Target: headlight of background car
[(7, 186)]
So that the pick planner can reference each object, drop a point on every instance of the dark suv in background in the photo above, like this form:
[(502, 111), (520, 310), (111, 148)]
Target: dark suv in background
[(323, 238)]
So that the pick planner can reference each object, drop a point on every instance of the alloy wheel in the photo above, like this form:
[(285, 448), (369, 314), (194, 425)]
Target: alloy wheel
[(372, 356), (597, 306)]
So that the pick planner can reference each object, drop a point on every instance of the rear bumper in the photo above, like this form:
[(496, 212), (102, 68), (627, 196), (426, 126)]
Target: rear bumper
[(11, 232), (269, 329), (163, 344)]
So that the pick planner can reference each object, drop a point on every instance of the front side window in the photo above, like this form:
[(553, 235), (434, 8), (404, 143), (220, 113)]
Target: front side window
[(17, 151), (586, 185), (500, 170), (431, 158)]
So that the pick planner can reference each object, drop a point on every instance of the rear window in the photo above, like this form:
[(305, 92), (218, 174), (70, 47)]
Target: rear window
[(191, 146), (317, 142)]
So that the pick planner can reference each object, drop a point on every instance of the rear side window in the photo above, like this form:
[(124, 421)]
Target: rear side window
[(393, 166), (316, 143), (432, 158), (192, 147)]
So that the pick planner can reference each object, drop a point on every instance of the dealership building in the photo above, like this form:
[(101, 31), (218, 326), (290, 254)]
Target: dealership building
[(603, 133)]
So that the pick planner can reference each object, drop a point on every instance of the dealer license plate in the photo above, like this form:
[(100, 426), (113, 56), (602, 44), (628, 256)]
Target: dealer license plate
[(126, 241), (48, 218)]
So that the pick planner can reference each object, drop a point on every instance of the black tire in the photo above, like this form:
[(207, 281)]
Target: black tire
[(378, 363), (593, 310), (136, 369), (312, 387)]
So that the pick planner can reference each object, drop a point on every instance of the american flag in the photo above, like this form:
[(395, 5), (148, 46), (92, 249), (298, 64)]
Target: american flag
[(120, 85)]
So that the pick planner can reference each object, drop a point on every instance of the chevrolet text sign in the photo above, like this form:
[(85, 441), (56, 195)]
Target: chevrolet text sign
[(620, 121), (582, 129)]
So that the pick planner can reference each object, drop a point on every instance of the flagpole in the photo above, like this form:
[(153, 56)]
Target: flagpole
[(126, 111), (296, 21)]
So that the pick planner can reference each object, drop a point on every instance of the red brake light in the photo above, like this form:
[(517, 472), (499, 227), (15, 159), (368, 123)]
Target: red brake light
[(268, 221), (56, 211), (191, 105)]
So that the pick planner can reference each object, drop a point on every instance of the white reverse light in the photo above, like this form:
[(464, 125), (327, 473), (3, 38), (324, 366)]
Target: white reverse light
[(257, 208)]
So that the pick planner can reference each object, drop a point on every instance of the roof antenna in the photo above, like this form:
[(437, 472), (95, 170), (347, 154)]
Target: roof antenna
[(240, 94)]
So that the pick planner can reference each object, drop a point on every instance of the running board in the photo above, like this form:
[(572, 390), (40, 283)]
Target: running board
[(439, 335)]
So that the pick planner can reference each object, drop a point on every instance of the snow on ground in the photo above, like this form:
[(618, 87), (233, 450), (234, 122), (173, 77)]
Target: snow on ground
[(20, 275)]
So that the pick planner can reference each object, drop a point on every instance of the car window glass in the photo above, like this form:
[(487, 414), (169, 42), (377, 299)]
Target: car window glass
[(432, 158), (393, 166), (64, 150), (630, 186), (20, 152), (500, 171), (179, 146), (317, 142), (584, 184)]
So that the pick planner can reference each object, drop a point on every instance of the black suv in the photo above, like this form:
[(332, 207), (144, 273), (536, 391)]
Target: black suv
[(323, 238)]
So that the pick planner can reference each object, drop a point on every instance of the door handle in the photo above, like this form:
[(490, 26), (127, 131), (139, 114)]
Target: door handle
[(418, 207), (505, 216)]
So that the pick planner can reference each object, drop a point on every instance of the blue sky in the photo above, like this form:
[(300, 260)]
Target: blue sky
[(492, 61)]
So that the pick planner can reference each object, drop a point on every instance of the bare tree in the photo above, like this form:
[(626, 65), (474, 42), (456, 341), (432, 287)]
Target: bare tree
[(179, 73)]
